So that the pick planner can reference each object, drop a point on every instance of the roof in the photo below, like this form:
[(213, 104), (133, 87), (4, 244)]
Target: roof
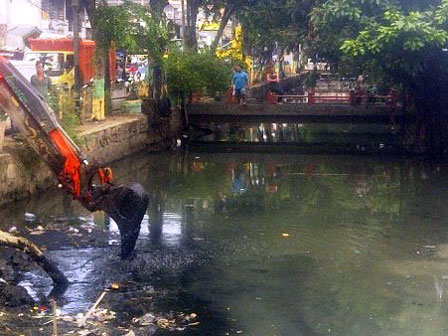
[(25, 31)]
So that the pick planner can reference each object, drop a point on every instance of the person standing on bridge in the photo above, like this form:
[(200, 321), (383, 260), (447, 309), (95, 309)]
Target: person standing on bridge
[(240, 82)]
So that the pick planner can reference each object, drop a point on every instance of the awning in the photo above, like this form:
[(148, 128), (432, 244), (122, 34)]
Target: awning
[(16, 38), (25, 31)]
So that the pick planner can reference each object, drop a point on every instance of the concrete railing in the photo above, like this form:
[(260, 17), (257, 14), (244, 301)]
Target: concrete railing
[(351, 98)]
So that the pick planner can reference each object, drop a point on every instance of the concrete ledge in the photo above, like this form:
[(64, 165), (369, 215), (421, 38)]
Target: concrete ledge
[(318, 113), (22, 173)]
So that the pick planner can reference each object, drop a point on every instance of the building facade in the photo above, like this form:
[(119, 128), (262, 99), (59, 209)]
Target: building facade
[(53, 18)]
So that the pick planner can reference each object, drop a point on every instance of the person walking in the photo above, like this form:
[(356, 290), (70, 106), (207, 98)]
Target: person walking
[(240, 82), (40, 81)]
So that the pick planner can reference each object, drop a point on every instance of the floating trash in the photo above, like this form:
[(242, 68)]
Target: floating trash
[(30, 217)]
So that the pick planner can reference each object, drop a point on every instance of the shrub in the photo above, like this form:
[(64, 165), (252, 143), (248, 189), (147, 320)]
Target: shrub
[(190, 71)]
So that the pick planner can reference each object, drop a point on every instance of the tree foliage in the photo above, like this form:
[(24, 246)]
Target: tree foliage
[(189, 71), (269, 23), (391, 33), (132, 27), (111, 25), (400, 42)]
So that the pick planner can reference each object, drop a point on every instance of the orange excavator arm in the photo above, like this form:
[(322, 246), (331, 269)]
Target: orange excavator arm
[(30, 113)]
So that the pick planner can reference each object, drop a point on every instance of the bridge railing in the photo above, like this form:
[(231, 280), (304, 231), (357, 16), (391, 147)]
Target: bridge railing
[(352, 98)]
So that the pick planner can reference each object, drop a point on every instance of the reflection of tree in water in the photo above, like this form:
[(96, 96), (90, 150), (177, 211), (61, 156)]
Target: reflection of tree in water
[(354, 226), (156, 209)]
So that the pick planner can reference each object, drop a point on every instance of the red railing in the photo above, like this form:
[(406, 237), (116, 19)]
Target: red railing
[(352, 98)]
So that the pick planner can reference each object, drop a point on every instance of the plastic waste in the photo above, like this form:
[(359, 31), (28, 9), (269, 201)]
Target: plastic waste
[(30, 217)]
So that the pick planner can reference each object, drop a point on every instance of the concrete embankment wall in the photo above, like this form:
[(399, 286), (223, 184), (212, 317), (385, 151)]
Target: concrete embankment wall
[(22, 173)]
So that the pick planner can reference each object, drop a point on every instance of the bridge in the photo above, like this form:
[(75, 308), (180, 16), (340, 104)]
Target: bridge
[(337, 113), (334, 119)]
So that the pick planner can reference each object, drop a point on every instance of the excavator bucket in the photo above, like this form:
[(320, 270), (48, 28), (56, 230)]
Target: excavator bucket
[(126, 203)]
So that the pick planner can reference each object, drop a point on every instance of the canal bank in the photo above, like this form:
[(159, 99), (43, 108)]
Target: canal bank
[(23, 173)]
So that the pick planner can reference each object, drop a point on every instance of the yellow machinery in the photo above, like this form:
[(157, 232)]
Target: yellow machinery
[(234, 51)]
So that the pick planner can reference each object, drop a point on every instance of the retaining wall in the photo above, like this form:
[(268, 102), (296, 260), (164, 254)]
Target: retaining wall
[(22, 173)]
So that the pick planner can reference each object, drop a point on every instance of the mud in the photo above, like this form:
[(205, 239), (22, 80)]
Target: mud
[(133, 286)]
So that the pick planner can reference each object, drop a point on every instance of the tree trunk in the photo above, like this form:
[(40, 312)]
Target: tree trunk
[(157, 7), (107, 83), (157, 83), (429, 98), (225, 19), (192, 15), (23, 244), (102, 63)]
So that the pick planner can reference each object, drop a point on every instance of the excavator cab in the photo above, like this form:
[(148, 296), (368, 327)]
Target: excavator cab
[(126, 203)]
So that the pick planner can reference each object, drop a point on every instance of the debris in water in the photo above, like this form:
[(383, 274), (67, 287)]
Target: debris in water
[(147, 319), (179, 322), (37, 232), (285, 235), (72, 229), (30, 217)]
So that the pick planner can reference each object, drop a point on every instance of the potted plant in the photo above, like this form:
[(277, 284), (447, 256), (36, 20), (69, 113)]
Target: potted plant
[(3, 117)]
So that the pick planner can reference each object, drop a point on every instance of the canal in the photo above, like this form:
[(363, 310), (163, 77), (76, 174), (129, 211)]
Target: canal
[(264, 244)]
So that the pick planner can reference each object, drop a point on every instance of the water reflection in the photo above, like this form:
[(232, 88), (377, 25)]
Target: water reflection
[(171, 229), (298, 133), (81, 267), (299, 245)]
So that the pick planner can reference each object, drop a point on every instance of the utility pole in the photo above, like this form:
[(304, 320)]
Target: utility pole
[(183, 24), (75, 8)]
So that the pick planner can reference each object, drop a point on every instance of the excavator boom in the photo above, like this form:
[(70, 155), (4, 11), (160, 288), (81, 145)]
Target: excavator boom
[(33, 117)]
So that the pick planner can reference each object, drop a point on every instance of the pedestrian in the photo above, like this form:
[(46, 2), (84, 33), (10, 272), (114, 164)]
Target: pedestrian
[(360, 88), (371, 94), (240, 82), (273, 81), (119, 72), (40, 81)]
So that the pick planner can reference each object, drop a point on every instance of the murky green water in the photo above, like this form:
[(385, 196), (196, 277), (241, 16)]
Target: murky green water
[(298, 133), (292, 244)]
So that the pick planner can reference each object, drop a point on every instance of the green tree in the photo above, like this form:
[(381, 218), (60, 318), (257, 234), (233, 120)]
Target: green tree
[(230, 8), (400, 43), (189, 71), (272, 24), (110, 26)]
